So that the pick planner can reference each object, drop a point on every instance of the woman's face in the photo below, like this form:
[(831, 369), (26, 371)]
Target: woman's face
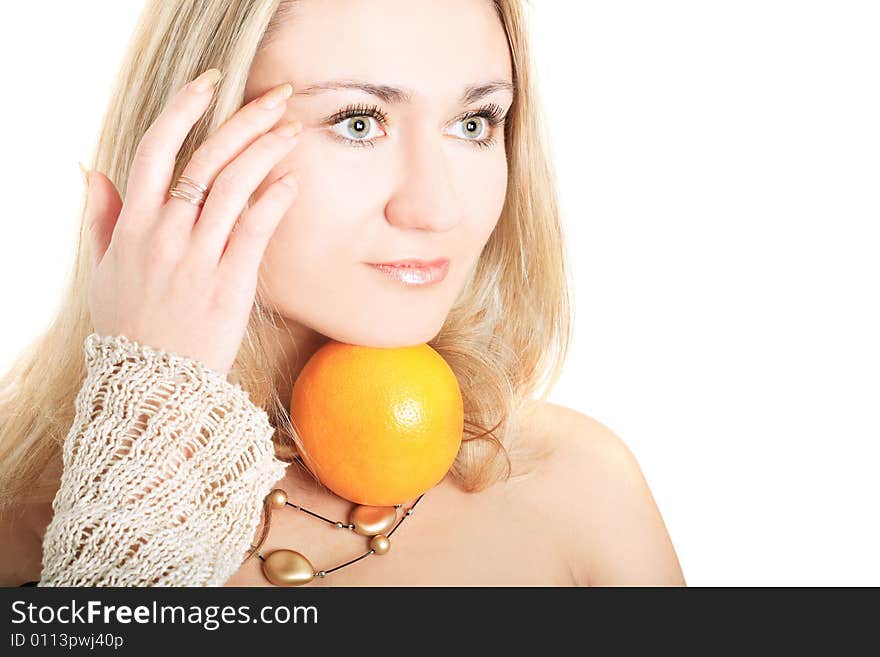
[(417, 183)]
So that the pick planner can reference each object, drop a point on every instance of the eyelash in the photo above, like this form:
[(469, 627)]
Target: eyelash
[(492, 113)]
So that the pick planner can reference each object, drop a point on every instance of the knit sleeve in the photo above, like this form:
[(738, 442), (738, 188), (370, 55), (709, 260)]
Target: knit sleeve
[(165, 469)]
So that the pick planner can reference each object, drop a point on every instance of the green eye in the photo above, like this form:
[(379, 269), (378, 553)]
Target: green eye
[(357, 127), (472, 126), (355, 124)]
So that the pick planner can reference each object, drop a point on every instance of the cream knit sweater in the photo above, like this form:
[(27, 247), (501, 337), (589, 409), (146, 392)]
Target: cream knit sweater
[(166, 467)]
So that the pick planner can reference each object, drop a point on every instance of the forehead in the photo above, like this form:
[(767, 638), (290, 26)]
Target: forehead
[(433, 47)]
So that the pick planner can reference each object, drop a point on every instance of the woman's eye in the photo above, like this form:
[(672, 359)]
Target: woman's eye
[(357, 128), (472, 130), (361, 127)]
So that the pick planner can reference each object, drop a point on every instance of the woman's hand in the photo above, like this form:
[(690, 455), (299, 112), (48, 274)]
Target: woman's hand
[(167, 273)]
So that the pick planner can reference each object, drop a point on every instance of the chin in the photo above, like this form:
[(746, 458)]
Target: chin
[(385, 336)]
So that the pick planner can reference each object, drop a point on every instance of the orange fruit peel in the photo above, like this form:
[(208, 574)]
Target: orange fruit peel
[(379, 426)]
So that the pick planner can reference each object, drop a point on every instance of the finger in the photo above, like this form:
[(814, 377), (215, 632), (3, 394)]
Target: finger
[(244, 251), (224, 145), (234, 187), (153, 164), (103, 206)]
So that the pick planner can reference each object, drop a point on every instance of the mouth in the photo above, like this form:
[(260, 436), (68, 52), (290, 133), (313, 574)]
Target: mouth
[(414, 272)]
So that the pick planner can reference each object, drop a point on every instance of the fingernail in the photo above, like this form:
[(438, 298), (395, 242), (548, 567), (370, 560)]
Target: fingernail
[(289, 129), (289, 180), (275, 97), (206, 80), (85, 174)]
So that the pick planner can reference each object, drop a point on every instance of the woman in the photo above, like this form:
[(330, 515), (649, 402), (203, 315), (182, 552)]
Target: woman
[(251, 272)]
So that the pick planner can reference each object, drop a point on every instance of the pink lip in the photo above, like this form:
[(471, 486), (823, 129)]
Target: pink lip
[(413, 271)]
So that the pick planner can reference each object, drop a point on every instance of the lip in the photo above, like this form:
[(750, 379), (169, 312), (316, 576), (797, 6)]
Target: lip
[(413, 271)]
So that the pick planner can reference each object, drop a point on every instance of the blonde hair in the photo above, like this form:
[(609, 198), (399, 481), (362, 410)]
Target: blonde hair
[(506, 334)]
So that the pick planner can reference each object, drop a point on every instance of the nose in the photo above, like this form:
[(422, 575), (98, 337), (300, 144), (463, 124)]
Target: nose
[(425, 198)]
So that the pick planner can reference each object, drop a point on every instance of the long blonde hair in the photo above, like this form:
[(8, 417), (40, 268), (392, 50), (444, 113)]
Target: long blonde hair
[(507, 333)]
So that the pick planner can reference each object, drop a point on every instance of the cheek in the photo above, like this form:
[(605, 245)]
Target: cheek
[(326, 212), (312, 240), (321, 228), (485, 200), (305, 263)]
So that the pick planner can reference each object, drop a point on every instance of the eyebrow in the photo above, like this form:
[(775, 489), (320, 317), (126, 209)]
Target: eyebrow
[(397, 95)]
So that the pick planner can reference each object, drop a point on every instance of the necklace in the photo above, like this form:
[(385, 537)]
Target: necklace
[(291, 568)]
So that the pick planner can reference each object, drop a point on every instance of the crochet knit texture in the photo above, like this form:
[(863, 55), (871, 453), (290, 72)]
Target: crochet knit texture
[(166, 467)]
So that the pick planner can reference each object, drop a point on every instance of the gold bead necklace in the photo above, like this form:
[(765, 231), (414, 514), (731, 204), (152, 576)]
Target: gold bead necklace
[(291, 568)]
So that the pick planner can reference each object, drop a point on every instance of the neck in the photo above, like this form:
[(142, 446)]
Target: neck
[(296, 344)]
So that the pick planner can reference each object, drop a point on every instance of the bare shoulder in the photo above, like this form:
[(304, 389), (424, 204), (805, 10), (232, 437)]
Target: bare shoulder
[(599, 502), (21, 542)]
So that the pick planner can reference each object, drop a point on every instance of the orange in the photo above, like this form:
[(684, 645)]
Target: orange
[(379, 426)]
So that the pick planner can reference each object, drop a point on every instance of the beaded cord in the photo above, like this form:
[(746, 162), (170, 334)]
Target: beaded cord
[(339, 525)]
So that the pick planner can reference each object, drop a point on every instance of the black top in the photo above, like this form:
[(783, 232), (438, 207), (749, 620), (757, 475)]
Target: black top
[(28, 584)]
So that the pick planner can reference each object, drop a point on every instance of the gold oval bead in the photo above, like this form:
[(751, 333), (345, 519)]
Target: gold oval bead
[(380, 544), (372, 520), (288, 568), (278, 498)]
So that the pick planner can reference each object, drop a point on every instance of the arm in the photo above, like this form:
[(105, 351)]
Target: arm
[(616, 535), (166, 467)]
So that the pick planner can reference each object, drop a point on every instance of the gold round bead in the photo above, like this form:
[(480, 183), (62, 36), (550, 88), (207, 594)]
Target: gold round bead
[(288, 568), (372, 520), (278, 498), (380, 544)]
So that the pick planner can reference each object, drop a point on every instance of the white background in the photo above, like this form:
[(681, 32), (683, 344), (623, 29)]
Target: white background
[(718, 166)]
